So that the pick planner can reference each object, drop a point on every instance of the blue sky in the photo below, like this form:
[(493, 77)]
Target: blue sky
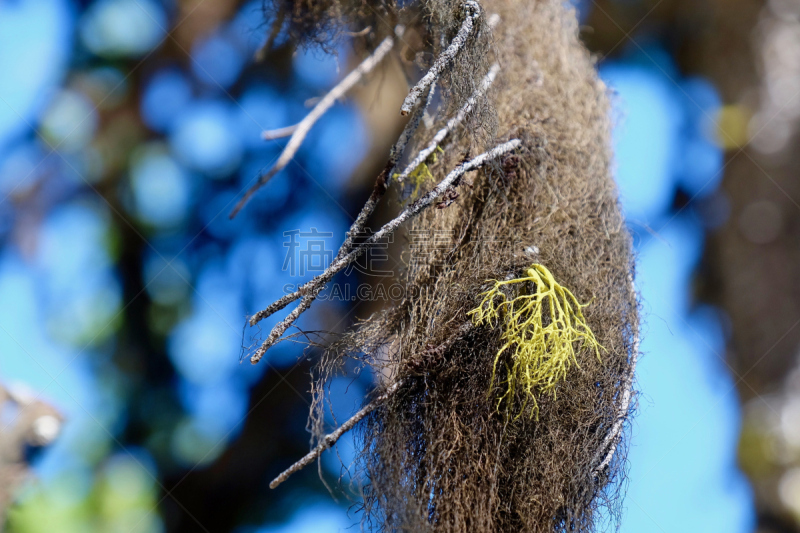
[(683, 475)]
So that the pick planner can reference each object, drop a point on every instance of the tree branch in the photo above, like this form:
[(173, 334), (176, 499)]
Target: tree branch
[(28, 423), (329, 440), (612, 438), (473, 11), (452, 123), (312, 288), (378, 191), (381, 183), (304, 126)]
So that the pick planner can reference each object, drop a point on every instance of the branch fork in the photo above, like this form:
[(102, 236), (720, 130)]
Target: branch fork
[(311, 289)]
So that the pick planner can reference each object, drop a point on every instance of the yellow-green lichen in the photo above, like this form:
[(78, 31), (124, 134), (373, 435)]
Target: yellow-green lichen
[(541, 327), (422, 173)]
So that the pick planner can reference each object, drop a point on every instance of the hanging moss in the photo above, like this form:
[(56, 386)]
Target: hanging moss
[(437, 455)]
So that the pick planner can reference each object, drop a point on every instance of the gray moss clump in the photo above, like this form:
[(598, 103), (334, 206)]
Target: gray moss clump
[(440, 454)]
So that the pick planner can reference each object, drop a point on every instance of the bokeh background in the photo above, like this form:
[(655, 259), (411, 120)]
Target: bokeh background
[(129, 127)]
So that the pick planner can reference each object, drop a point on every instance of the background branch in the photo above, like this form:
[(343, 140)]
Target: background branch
[(26, 423)]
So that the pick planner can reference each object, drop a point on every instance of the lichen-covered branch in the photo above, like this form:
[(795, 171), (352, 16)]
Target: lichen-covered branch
[(473, 11), (451, 124), (381, 183), (310, 289), (358, 225), (437, 453), (612, 439)]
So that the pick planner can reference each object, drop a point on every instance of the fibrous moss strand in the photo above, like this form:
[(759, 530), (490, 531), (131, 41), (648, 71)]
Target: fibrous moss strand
[(541, 327)]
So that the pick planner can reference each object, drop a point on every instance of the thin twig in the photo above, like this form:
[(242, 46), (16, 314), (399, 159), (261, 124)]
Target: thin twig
[(612, 439), (329, 440), (356, 228), (304, 126), (473, 11), (278, 133), (285, 324), (310, 289), (427, 118), (452, 123), (382, 182)]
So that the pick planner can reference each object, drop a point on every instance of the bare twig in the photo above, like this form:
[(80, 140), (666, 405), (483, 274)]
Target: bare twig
[(281, 302), (473, 11), (304, 126), (310, 289), (285, 324), (279, 133), (452, 123), (612, 438), (383, 179), (382, 182), (360, 33), (329, 440), (357, 227)]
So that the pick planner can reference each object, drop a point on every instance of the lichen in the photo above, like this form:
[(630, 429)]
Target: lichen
[(541, 327), (422, 174)]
